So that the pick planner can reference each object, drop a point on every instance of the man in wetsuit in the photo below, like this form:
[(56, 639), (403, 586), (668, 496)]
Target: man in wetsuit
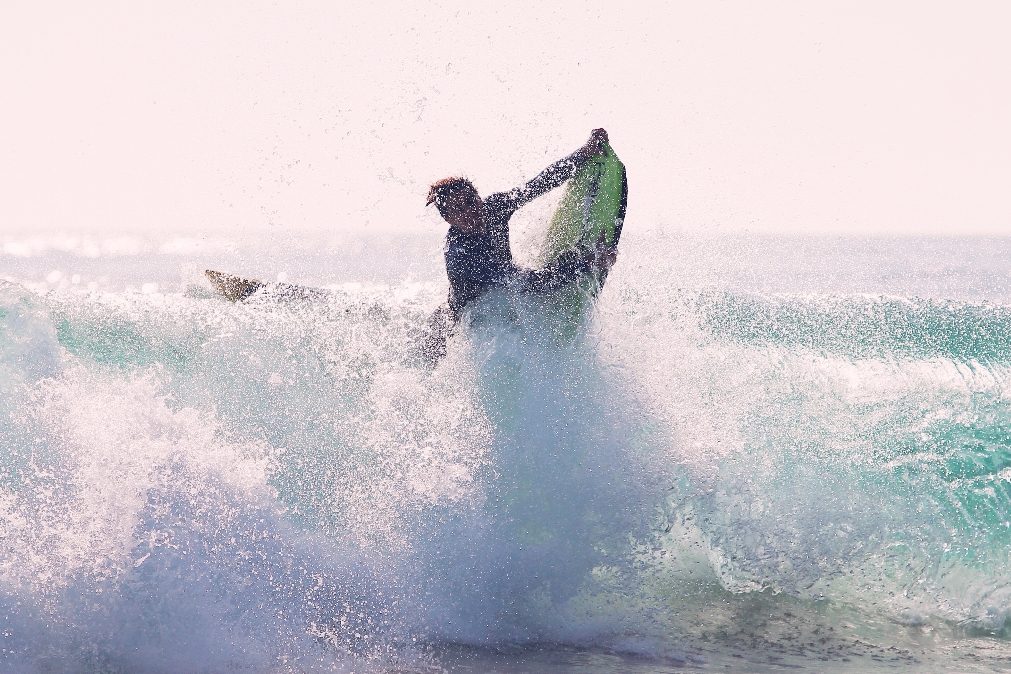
[(478, 256)]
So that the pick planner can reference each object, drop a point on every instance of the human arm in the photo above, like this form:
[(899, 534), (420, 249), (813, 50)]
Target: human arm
[(569, 266), (557, 173), (464, 287)]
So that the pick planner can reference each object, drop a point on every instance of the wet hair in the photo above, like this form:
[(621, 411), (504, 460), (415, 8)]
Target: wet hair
[(443, 191)]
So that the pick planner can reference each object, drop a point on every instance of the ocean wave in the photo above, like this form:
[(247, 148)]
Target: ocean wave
[(864, 326), (192, 484)]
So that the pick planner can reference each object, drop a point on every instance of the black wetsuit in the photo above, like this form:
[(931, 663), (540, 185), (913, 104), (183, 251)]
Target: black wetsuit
[(477, 262)]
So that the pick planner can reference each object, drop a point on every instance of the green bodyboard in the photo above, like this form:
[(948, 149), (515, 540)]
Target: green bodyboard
[(594, 202)]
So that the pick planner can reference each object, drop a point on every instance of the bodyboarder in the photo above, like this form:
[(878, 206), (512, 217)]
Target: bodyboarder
[(477, 251)]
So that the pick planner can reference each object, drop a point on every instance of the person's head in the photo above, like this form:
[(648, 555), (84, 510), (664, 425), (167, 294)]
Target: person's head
[(458, 202)]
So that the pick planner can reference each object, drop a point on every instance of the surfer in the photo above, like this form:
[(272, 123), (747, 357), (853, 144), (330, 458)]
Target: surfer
[(477, 251)]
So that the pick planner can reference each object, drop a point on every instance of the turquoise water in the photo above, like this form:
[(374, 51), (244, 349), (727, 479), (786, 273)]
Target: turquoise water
[(759, 455)]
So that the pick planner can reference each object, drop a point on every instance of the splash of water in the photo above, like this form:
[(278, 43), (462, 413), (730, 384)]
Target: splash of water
[(192, 485)]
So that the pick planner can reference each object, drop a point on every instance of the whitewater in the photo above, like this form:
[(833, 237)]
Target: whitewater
[(758, 454)]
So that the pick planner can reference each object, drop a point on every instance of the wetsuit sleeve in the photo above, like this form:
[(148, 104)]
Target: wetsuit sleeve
[(567, 268), (546, 180)]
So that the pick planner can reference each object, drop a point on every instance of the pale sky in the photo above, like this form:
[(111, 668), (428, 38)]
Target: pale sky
[(244, 117)]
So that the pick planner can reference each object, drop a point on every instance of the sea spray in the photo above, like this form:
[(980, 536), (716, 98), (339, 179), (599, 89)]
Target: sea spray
[(142, 535), (564, 487), (843, 461), (700, 469)]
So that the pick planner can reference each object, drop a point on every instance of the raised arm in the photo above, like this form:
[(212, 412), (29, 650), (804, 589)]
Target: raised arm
[(559, 172)]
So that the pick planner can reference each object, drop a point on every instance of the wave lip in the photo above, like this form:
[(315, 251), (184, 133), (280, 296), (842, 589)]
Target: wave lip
[(864, 326)]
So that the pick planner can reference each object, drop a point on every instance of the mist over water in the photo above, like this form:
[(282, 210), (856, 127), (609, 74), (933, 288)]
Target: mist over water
[(781, 452)]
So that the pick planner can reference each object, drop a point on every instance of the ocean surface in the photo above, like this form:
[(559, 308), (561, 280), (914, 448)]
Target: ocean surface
[(757, 454)]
